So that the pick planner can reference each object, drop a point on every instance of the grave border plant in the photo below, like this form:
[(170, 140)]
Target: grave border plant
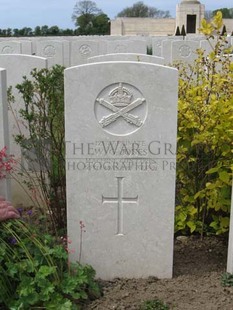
[(205, 135), (36, 273), (43, 117)]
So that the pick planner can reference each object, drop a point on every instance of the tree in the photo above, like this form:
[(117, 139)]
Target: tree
[(90, 19), (183, 32), (139, 9), (37, 31), (54, 31), (44, 30), (177, 31), (101, 24), (226, 13), (85, 8), (224, 31)]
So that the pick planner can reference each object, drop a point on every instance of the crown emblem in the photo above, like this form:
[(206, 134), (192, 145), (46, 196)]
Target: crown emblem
[(120, 96)]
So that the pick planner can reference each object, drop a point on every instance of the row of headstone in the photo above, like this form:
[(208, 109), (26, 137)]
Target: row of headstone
[(173, 50), (76, 50), (120, 160)]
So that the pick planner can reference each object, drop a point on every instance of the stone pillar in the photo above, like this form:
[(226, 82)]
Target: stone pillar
[(190, 14)]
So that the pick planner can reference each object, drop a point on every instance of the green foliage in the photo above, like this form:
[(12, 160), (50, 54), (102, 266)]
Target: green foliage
[(205, 136), (154, 304), (89, 19), (226, 13), (177, 31), (90, 24), (139, 9), (35, 271), (227, 279), (42, 143), (183, 32), (38, 31)]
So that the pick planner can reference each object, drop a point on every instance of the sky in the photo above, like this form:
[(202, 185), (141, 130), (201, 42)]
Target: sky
[(32, 13)]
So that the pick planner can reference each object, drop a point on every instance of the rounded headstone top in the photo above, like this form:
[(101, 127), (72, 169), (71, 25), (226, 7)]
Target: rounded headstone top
[(190, 2)]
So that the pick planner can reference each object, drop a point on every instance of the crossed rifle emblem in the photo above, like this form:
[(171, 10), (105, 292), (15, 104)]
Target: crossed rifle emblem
[(123, 112)]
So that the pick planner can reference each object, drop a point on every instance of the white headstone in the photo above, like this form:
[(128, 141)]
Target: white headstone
[(4, 132), (26, 47), (121, 124), (184, 51), (230, 242), (157, 46), (208, 45), (10, 47), (18, 66), (129, 46), (127, 57), (81, 50), (52, 50), (167, 51)]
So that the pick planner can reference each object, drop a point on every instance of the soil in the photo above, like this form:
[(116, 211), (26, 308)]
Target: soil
[(196, 285)]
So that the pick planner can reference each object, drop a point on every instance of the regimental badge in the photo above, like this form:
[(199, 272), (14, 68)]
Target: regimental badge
[(121, 100)]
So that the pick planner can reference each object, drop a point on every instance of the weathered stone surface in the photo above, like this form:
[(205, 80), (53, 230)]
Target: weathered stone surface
[(10, 47), (184, 51), (120, 152), (18, 66), (52, 50)]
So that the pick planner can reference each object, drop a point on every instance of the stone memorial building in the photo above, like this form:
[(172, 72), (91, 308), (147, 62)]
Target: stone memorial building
[(188, 13)]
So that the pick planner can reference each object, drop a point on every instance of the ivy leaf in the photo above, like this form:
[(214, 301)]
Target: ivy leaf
[(192, 226), (224, 176)]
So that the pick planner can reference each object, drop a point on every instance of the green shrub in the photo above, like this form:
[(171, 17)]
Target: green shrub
[(35, 271), (227, 279), (205, 137), (43, 141)]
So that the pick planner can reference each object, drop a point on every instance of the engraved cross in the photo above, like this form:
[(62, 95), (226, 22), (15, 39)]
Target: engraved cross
[(120, 200)]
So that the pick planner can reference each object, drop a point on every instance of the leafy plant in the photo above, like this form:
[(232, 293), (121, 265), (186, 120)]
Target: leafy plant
[(205, 136), (227, 279), (35, 272), (154, 304), (42, 141)]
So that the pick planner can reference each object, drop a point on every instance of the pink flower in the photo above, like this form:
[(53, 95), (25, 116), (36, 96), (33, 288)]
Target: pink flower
[(6, 162), (7, 211)]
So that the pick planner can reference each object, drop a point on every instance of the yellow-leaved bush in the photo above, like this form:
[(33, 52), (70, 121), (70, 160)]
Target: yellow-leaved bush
[(205, 139)]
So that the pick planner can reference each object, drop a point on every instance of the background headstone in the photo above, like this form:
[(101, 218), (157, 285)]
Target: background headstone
[(26, 47), (127, 57), (18, 66), (120, 152), (4, 132), (81, 50), (52, 50), (129, 46), (10, 47), (167, 51), (184, 51)]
